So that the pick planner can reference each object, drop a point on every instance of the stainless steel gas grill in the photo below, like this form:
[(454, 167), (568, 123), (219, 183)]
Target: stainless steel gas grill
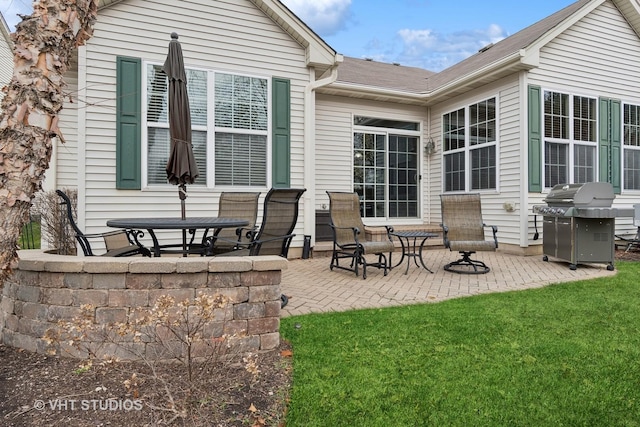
[(579, 223)]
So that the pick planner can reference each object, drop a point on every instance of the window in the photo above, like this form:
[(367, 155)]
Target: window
[(241, 130), (570, 139), (631, 147), (385, 168), (236, 138), (469, 139)]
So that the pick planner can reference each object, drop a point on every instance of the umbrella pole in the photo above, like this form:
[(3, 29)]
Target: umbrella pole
[(182, 193)]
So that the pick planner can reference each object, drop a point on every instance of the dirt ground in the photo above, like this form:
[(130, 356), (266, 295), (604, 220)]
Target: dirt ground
[(39, 390)]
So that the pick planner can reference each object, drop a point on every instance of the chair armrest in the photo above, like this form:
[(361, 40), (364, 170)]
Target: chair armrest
[(355, 230), (445, 236), (494, 228)]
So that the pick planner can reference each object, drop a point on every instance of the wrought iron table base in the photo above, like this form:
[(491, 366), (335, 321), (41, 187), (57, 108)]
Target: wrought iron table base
[(411, 250)]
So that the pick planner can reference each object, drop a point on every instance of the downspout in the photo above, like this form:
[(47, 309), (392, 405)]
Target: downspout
[(310, 148)]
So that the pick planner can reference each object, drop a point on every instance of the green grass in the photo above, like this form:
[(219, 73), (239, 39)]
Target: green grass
[(563, 355), (30, 237)]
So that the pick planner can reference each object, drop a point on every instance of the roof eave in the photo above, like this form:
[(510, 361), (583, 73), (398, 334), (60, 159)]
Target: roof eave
[(318, 54), (351, 90), (520, 60), (517, 61)]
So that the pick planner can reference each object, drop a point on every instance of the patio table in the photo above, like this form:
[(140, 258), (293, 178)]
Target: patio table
[(191, 224), (410, 250)]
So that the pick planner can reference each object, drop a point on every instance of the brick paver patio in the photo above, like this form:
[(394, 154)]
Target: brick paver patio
[(312, 287)]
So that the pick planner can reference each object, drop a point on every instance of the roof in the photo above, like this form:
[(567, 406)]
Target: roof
[(379, 74), (375, 80), (504, 48)]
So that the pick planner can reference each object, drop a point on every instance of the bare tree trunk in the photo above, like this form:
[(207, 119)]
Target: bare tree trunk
[(44, 43)]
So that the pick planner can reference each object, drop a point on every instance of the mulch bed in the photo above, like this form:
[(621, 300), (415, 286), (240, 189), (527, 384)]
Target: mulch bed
[(39, 390)]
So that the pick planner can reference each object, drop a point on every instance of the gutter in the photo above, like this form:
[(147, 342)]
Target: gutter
[(517, 57), (310, 147)]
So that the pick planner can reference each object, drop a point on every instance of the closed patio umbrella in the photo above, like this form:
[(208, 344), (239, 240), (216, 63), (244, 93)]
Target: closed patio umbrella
[(181, 166)]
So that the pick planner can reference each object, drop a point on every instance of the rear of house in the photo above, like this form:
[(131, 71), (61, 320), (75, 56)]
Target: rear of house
[(557, 102)]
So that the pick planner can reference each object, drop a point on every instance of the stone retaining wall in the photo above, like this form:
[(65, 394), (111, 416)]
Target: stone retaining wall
[(47, 288)]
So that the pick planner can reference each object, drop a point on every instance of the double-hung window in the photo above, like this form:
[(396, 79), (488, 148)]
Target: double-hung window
[(470, 147), (386, 174), (570, 139), (631, 147), (229, 123)]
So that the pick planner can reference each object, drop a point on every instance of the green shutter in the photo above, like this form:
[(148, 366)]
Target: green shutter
[(535, 139), (603, 142), (128, 123), (616, 146), (610, 143), (281, 133)]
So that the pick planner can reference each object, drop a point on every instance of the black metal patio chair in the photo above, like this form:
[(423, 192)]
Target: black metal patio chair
[(119, 243), (350, 239), (463, 231)]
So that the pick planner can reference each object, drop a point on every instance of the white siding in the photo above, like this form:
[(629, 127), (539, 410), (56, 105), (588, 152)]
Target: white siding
[(599, 57), (510, 145), (334, 139), (231, 36), (6, 56), (67, 153)]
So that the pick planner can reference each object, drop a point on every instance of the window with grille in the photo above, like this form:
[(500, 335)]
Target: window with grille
[(570, 132), (631, 147), (470, 144), (235, 136), (385, 168)]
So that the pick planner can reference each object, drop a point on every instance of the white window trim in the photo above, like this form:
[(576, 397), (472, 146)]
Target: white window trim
[(624, 147), (571, 142), (467, 148), (386, 131)]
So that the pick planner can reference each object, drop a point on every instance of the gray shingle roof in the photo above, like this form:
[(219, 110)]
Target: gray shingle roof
[(383, 75)]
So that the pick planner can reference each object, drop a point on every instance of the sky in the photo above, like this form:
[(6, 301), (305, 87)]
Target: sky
[(430, 34)]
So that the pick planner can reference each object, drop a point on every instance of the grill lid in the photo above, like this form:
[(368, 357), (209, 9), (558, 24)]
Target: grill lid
[(586, 195)]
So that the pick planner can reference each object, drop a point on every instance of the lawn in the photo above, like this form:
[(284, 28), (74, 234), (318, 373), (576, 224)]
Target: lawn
[(566, 354), (30, 236)]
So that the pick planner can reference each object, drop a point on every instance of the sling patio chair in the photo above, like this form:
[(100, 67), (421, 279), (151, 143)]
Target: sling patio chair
[(279, 218), (119, 243), (240, 205), (350, 239), (463, 231)]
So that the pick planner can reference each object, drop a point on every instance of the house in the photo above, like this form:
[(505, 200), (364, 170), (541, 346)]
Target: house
[(273, 105), (6, 56)]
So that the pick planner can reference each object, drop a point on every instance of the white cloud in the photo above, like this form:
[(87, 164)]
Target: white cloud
[(325, 17), (433, 51)]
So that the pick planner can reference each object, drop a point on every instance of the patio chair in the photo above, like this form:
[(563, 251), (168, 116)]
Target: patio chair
[(463, 231), (119, 243), (350, 240), (233, 205), (279, 218), (632, 240)]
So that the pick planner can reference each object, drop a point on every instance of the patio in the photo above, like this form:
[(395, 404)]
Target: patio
[(313, 288)]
